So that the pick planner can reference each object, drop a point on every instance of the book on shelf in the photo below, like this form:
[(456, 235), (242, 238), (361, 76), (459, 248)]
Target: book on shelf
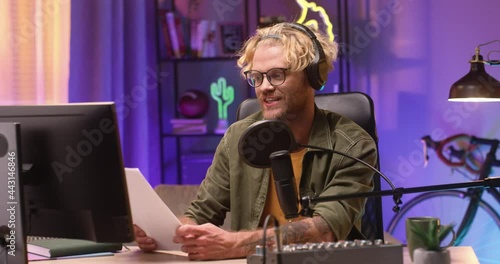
[(61, 247), (193, 38), (187, 37), (205, 32), (188, 126), (188, 130), (176, 29), (166, 34), (187, 121)]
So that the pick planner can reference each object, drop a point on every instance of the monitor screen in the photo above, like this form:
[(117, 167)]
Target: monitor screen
[(73, 179)]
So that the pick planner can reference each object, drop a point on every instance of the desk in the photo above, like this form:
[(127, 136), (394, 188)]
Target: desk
[(459, 255), (135, 255)]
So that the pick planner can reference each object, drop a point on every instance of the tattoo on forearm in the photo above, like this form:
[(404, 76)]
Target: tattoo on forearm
[(304, 231), (249, 247), (323, 228), (296, 232)]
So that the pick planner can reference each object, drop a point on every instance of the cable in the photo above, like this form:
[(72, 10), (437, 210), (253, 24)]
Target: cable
[(487, 43), (277, 233), (488, 60), (354, 158), (398, 194)]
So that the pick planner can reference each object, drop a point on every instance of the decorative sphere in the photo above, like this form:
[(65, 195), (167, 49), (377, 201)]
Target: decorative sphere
[(193, 104)]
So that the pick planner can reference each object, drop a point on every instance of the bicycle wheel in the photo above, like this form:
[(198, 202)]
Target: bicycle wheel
[(450, 207)]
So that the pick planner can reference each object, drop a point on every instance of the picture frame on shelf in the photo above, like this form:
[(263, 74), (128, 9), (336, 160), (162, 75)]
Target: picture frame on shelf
[(231, 37)]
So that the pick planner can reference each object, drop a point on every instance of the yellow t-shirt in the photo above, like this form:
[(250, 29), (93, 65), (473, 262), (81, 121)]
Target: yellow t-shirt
[(272, 204)]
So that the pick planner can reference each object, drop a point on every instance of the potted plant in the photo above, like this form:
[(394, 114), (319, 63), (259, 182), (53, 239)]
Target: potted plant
[(433, 252)]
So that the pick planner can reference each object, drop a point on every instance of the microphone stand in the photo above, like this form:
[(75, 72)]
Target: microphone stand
[(397, 193), (306, 201)]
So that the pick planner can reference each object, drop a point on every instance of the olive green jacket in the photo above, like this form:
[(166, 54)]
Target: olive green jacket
[(231, 185)]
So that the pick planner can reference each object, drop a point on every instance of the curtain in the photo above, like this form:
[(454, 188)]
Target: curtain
[(113, 58), (35, 51)]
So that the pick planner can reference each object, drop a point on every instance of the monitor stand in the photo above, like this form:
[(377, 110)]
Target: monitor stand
[(12, 235)]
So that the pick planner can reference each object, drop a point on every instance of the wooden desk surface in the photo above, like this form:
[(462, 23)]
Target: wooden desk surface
[(135, 255), (459, 255)]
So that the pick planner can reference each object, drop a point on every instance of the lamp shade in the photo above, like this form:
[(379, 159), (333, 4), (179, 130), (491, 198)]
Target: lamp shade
[(476, 86)]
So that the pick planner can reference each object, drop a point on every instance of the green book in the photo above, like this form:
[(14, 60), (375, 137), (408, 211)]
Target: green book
[(59, 247)]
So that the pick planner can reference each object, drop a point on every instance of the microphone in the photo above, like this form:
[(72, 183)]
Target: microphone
[(284, 180), (261, 139), (264, 138)]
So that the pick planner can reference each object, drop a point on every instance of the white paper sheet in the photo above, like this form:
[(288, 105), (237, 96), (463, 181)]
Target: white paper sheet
[(149, 212)]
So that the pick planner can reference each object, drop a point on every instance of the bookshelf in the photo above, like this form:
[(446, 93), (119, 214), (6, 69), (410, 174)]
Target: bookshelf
[(186, 156)]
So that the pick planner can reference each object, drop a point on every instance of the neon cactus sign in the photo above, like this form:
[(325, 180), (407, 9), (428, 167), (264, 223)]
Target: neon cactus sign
[(224, 96)]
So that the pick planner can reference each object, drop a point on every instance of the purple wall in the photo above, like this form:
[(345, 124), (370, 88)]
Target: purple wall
[(408, 53)]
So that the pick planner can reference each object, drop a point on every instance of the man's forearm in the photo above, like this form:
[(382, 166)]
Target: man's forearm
[(187, 221), (243, 243), (314, 229)]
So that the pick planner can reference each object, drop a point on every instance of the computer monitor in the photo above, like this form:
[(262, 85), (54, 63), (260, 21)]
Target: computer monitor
[(73, 179), (12, 240)]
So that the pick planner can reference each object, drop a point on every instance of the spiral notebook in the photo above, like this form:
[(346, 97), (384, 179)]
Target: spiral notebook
[(149, 212)]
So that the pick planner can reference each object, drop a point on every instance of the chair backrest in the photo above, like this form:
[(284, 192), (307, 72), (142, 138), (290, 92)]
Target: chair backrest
[(359, 108)]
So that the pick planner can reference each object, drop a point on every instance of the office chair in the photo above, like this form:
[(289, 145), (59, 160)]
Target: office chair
[(359, 108)]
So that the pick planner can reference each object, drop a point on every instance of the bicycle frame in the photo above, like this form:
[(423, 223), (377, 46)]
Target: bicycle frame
[(473, 192), (477, 193)]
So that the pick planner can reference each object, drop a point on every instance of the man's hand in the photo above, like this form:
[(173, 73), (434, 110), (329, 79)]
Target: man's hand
[(145, 243), (207, 241)]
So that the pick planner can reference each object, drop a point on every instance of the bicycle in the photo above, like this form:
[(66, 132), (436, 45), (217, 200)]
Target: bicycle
[(473, 214)]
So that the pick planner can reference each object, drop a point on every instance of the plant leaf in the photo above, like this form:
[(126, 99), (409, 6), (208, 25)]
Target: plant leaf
[(425, 236)]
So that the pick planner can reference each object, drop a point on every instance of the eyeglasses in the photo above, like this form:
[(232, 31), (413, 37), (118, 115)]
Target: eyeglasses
[(275, 76)]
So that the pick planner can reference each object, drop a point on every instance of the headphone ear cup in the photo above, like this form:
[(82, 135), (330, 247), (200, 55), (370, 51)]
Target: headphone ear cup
[(317, 74), (312, 76), (322, 72)]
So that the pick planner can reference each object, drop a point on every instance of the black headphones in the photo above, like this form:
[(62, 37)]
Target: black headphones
[(317, 70)]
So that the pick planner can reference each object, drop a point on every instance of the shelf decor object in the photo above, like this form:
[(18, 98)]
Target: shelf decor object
[(477, 85), (232, 37), (193, 104), (224, 96)]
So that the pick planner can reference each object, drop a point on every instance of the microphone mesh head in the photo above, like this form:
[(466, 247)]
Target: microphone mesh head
[(263, 138)]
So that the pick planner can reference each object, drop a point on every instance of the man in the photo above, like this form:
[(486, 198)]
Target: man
[(275, 61)]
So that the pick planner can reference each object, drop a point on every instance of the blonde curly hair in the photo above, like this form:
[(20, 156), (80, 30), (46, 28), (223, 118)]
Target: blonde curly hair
[(297, 44)]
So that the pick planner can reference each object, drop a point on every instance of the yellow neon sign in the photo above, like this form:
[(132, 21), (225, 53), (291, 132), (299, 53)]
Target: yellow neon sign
[(306, 6)]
